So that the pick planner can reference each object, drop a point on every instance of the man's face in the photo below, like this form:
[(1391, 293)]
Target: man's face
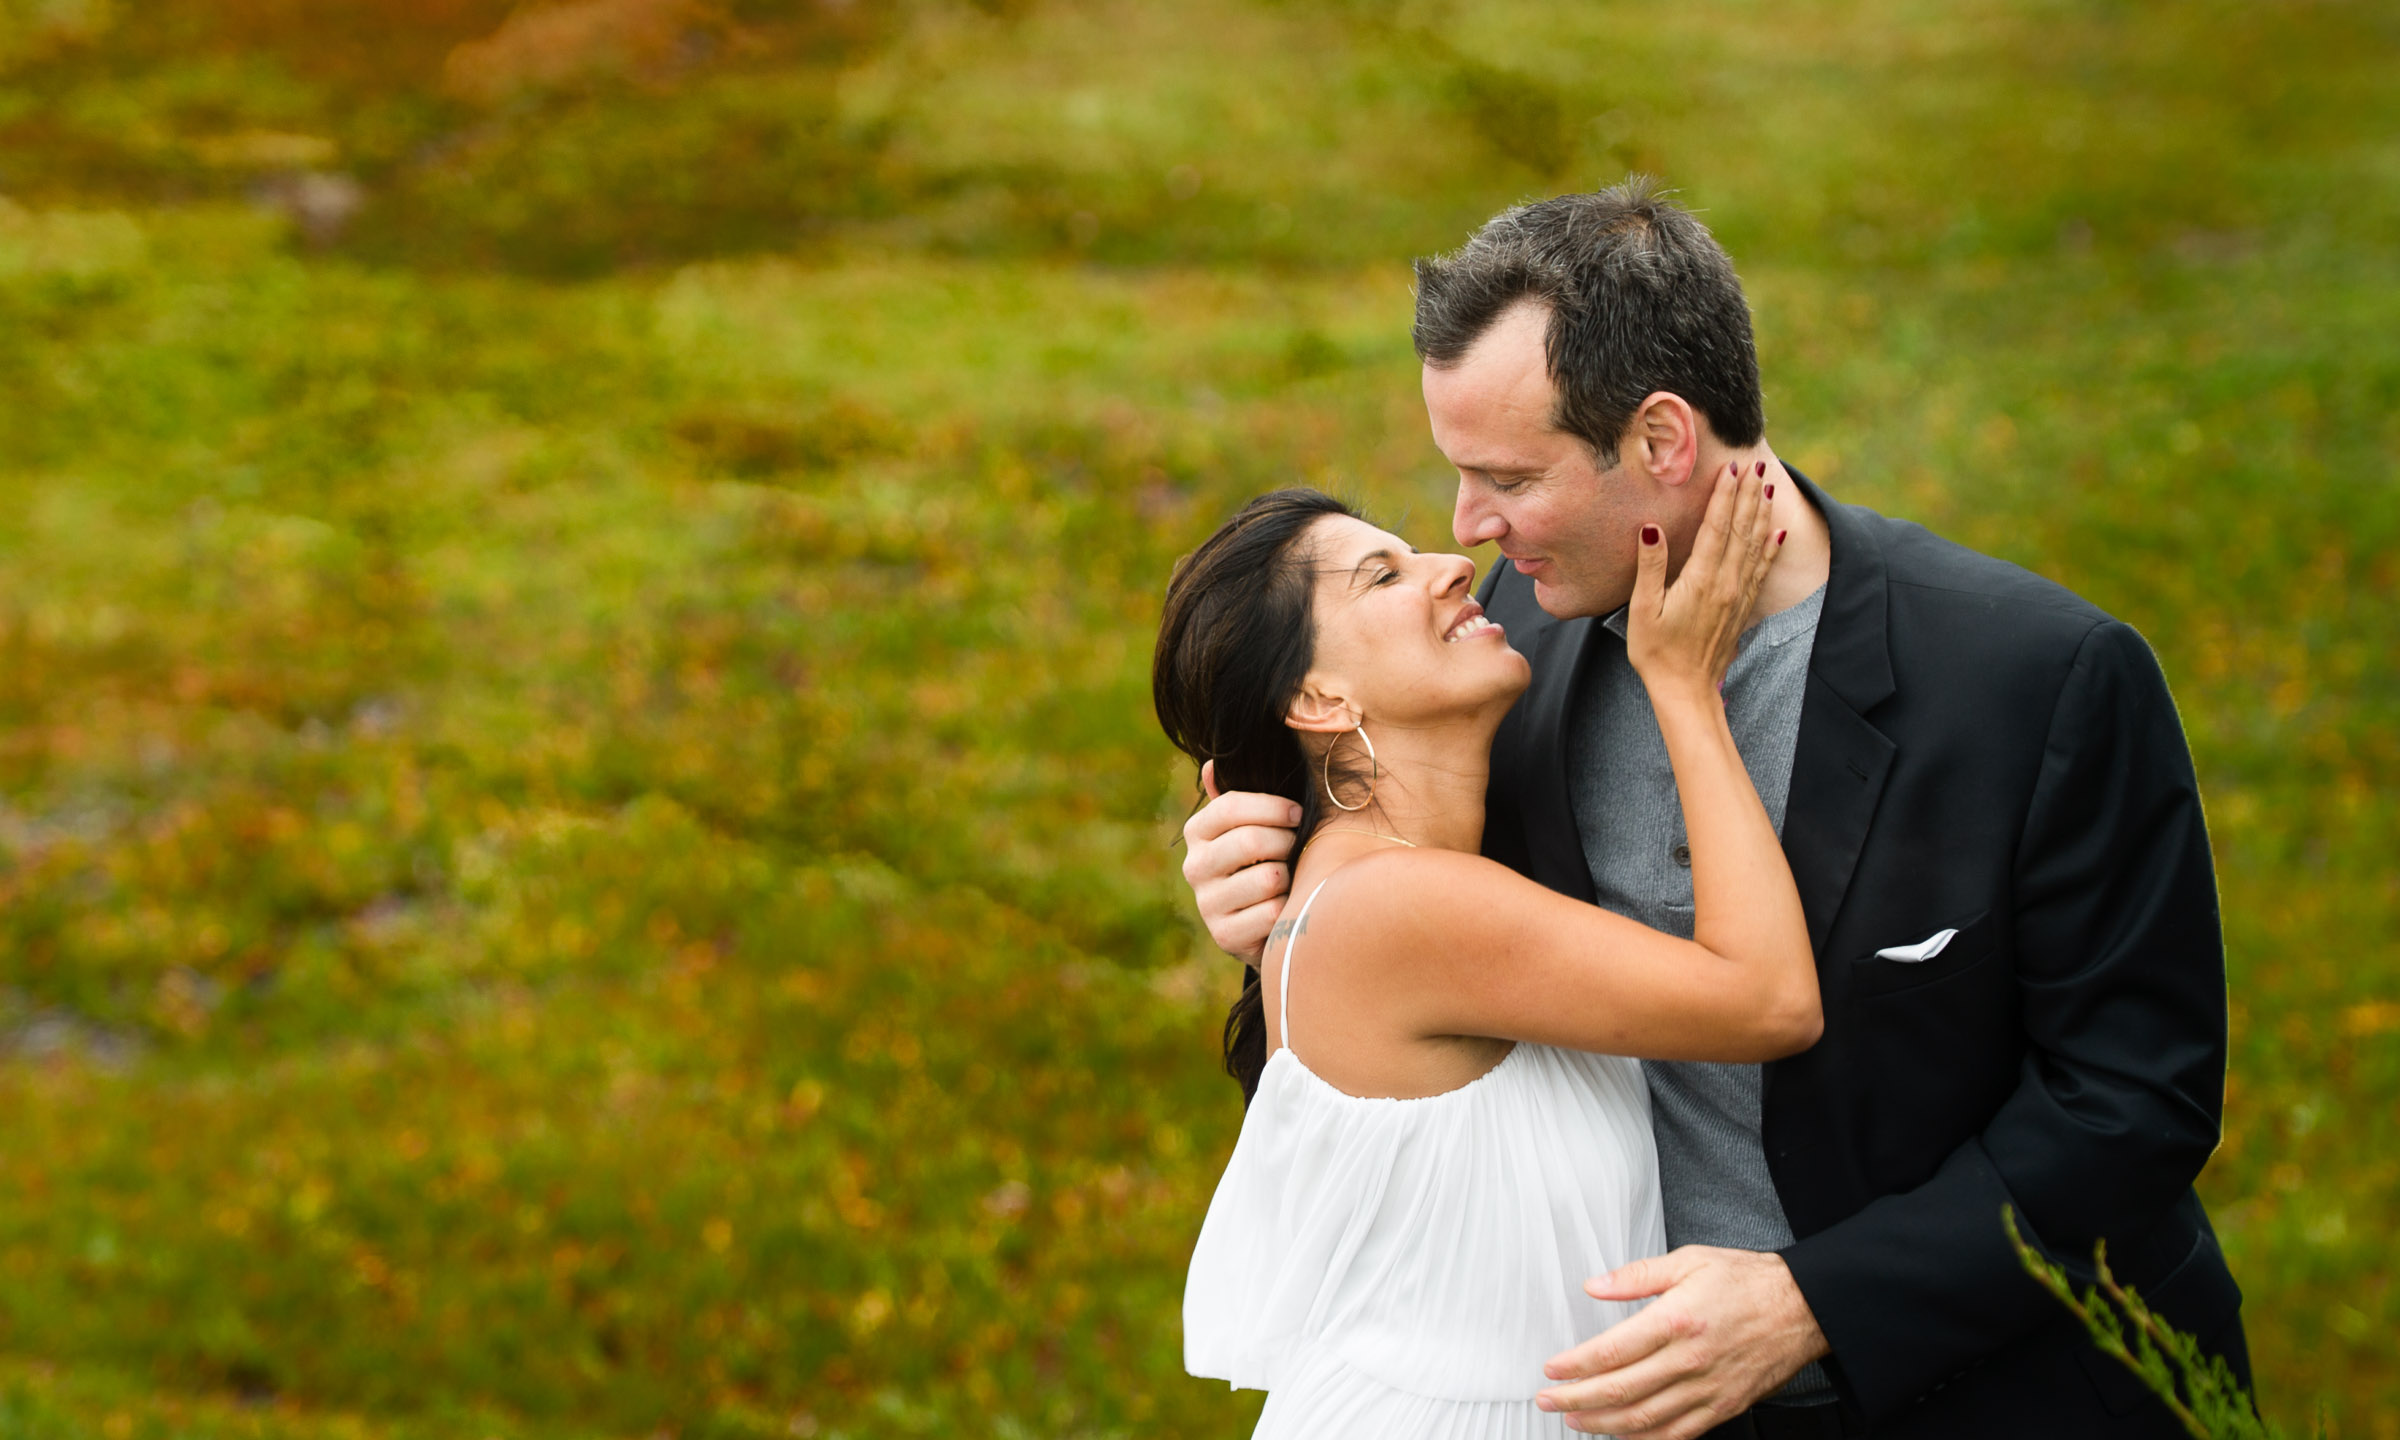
[(1566, 523)]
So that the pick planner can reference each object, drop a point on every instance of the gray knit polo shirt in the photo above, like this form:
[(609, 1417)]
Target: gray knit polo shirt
[(1712, 1166)]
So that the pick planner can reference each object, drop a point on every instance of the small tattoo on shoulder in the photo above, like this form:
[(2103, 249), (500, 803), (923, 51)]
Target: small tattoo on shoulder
[(1284, 928)]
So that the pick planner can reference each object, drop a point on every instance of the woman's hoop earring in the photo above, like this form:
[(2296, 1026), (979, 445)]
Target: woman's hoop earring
[(1374, 770)]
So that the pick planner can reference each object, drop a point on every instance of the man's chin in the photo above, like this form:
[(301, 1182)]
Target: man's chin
[(1562, 602)]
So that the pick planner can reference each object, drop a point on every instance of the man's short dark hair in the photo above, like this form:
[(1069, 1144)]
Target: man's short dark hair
[(1641, 299)]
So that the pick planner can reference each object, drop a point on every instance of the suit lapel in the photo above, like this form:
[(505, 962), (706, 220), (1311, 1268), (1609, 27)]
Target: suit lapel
[(1533, 821), (1837, 776), (1556, 848), (1841, 761)]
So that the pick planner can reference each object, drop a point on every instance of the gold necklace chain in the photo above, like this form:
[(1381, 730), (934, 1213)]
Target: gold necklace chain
[(1354, 830)]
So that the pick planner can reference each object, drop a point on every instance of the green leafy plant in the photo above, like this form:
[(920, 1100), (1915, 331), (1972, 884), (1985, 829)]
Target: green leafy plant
[(2199, 1388)]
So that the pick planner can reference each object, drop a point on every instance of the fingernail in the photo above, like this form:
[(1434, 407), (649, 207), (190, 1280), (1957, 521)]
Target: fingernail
[(1762, 467), (1295, 814), (1770, 492), (1779, 536), (1544, 1402), (1649, 534)]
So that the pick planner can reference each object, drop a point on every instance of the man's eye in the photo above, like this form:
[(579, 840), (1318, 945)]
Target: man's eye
[(1387, 577)]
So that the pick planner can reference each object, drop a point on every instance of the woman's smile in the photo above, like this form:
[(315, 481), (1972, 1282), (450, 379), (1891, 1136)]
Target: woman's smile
[(1470, 623)]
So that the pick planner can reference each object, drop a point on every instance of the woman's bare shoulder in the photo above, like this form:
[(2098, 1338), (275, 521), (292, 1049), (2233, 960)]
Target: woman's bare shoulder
[(1389, 904)]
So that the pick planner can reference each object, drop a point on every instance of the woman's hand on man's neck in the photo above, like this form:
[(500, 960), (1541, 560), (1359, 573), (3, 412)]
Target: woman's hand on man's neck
[(1807, 559)]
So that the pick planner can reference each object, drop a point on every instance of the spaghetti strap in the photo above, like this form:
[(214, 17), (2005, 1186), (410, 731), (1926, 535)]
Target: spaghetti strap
[(1283, 987)]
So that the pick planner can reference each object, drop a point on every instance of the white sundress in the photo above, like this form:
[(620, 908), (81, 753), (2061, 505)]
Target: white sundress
[(1395, 1268)]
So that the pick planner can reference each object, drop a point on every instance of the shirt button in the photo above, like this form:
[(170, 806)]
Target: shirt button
[(1682, 855)]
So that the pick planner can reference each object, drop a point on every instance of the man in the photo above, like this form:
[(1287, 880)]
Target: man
[(1986, 798)]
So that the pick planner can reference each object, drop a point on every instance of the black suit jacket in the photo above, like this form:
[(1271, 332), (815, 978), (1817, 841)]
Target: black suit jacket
[(1979, 750)]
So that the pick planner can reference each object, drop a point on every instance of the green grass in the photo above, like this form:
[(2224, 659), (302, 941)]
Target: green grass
[(582, 849)]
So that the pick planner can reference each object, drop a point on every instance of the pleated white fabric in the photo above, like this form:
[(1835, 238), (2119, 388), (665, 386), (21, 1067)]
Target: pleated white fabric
[(1396, 1268)]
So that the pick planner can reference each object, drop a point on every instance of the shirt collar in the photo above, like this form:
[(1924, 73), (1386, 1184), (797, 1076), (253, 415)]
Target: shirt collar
[(1777, 628)]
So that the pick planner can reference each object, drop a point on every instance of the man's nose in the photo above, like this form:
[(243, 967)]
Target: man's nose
[(1470, 523)]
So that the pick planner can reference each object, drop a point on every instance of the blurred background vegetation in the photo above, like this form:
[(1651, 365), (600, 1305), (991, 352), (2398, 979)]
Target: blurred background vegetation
[(582, 847)]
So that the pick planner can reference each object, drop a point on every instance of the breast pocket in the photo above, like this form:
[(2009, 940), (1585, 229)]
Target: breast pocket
[(1913, 962), (1938, 1038)]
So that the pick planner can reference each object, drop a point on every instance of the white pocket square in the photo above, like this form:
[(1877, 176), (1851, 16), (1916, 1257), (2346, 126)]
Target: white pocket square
[(1923, 950)]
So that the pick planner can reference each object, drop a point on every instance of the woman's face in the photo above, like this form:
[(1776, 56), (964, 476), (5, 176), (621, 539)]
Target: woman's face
[(1401, 640)]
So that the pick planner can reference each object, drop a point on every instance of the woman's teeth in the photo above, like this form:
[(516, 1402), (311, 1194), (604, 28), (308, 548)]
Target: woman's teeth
[(1468, 628)]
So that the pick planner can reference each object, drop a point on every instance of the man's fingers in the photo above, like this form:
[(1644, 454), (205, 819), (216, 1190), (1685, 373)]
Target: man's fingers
[(1239, 880), (1208, 777), (1212, 860), (1625, 1387), (1237, 808), (1711, 1348), (1621, 1344), (1644, 1278), (1246, 887), (1243, 934), (1680, 1412)]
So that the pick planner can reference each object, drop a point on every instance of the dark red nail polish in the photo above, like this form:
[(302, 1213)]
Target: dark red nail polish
[(1649, 534), (1770, 492), (1762, 467), (1779, 536)]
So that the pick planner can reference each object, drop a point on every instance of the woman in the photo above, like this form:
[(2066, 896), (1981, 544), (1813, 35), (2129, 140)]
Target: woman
[(1445, 1135)]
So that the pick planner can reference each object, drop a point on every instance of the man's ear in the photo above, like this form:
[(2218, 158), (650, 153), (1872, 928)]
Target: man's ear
[(1663, 440), (1320, 711)]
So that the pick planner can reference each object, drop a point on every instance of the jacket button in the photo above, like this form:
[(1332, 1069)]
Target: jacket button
[(1682, 855)]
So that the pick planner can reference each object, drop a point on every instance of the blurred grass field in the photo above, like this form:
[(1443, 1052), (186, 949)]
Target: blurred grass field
[(582, 847)]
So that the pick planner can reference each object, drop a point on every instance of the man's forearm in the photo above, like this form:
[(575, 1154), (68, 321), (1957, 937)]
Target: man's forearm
[(1917, 1287)]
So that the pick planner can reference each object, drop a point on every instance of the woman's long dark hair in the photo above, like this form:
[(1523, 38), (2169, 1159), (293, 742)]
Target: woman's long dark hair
[(1235, 643)]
